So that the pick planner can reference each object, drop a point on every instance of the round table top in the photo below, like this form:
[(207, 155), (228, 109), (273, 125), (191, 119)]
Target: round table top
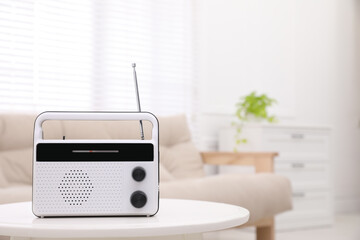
[(175, 217)]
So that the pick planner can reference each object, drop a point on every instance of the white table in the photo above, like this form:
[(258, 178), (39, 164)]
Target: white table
[(176, 219)]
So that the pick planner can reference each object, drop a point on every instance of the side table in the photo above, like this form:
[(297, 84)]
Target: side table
[(176, 219)]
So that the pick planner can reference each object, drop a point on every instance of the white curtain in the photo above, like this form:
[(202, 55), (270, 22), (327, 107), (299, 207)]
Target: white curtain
[(77, 55)]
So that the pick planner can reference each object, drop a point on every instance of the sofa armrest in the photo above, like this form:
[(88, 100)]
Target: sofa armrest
[(262, 161)]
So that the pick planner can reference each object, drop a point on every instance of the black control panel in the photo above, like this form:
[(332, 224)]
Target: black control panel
[(72, 152)]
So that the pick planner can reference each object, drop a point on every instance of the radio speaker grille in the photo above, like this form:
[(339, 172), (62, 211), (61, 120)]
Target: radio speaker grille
[(76, 187)]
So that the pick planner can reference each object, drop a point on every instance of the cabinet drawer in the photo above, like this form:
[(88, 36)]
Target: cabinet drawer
[(308, 207), (309, 220), (295, 142), (311, 201), (304, 173)]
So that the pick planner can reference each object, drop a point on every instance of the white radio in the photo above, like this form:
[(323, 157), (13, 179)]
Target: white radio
[(96, 177)]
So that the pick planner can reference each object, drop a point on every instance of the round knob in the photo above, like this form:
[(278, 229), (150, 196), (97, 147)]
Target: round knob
[(138, 174), (138, 199)]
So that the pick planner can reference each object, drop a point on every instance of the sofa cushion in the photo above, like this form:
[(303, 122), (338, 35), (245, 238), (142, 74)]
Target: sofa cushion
[(17, 193), (179, 156), (182, 160), (263, 194), (165, 175), (174, 130), (3, 181), (16, 166), (16, 131)]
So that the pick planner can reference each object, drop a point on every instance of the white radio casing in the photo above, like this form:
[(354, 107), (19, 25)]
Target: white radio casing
[(95, 177)]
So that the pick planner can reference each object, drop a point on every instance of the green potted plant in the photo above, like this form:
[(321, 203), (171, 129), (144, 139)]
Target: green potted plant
[(253, 107)]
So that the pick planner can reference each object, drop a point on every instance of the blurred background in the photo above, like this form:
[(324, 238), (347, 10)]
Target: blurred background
[(196, 57)]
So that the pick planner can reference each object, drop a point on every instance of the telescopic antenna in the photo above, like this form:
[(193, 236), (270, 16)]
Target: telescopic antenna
[(138, 100)]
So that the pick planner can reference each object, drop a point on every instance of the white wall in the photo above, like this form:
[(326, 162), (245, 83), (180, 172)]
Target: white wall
[(303, 53)]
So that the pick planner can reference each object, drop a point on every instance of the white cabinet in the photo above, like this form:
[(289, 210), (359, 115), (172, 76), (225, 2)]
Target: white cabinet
[(304, 157)]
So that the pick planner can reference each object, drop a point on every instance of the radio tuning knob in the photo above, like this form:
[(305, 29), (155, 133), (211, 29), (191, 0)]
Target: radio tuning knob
[(138, 174), (138, 199)]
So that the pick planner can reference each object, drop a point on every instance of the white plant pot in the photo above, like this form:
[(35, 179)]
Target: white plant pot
[(253, 119)]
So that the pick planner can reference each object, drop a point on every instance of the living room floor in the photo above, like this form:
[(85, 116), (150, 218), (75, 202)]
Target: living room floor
[(346, 227)]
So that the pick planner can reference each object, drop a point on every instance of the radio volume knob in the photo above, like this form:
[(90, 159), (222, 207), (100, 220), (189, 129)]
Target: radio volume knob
[(138, 174), (138, 199)]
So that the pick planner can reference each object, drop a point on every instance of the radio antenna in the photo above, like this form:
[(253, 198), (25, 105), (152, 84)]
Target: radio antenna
[(138, 100)]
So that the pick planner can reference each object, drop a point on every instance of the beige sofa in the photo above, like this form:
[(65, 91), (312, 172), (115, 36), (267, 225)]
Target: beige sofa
[(181, 168)]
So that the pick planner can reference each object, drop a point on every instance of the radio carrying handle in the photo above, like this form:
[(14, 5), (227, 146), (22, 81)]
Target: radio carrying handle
[(95, 116)]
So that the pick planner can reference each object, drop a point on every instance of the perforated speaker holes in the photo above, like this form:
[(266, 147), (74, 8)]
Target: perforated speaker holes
[(76, 187)]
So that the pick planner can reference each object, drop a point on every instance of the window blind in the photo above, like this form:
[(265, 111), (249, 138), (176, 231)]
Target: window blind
[(16, 54), (77, 55)]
